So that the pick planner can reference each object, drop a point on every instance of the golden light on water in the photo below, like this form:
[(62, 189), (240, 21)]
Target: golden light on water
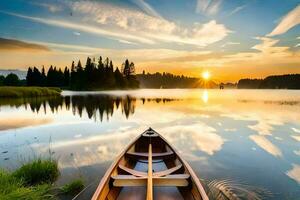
[(205, 96), (206, 75)]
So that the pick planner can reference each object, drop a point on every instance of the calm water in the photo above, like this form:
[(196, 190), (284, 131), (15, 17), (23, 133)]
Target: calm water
[(245, 138)]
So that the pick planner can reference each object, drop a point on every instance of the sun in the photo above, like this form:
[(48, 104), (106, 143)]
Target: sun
[(206, 75)]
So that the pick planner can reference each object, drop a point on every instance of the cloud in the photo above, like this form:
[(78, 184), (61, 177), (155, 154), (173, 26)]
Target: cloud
[(146, 8), (268, 54), (122, 23), (230, 43), (237, 9), (154, 28), (294, 173), (17, 45), (289, 21), (84, 28), (265, 144), (51, 7), (208, 7)]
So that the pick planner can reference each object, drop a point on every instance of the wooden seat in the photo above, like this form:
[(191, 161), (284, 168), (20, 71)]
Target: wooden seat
[(155, 174), (178, 180), (138, 155), (128, 180), (168, 171), (132, 171)]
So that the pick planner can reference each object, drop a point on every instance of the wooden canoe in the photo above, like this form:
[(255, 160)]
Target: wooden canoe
[(149, 168)]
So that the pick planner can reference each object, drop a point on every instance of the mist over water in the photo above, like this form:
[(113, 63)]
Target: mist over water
[(250, 137)]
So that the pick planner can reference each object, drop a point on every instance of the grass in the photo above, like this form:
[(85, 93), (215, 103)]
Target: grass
[(12, 188), (8, 91), (38, 172), (73, 188), (34, 181)]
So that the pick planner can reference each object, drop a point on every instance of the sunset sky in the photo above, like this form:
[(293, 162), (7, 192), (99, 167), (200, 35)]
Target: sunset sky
[(231, 39)]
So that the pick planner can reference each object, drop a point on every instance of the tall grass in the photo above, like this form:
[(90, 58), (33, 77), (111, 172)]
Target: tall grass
[(7, 91), (38, 172), (73, 188)]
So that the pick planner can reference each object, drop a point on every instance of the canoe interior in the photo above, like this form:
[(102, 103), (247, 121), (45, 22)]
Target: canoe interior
[(131, 177)]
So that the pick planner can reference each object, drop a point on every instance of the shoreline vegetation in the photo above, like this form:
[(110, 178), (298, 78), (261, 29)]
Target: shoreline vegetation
[(23, 91), (35, 181), (287, 81)]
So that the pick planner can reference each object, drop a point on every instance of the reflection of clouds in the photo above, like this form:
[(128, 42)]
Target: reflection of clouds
[(264, 124), (294, 173), (87, 151), (265, 144), (296, 130), (296, 137), (20, 122), (262, 128), (297, 152), (278, 138), (194, 137)]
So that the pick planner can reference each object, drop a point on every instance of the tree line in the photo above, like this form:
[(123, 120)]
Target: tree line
[(93, 76), (287, 81), (168, 80), (11, 80)]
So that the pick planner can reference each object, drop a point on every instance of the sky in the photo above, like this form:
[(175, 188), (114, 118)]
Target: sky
[(231, 39)]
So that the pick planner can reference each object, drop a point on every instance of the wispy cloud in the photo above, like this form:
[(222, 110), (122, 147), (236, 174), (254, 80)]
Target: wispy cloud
[(289, 21), (125, 24), (83, 28), (17, 45), (146, 8), (51, 7), (237, 9), (208, 7), (230, 43)]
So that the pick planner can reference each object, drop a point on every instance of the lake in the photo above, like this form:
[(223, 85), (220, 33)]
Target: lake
[(245, 139)]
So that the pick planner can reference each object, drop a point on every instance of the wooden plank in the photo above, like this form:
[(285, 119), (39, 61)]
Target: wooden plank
[(149, 182), (168, 171), (139, 155), (132, 171), (179, 180), (128, 180)]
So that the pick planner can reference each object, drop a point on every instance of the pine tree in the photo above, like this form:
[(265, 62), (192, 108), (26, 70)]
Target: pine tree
[(29, 77)]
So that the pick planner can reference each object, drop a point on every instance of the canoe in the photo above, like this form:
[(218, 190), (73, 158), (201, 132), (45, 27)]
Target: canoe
[(149, 168)]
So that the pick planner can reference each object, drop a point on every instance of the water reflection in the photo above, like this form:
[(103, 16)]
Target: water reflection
[(93, 105), (248, 136)]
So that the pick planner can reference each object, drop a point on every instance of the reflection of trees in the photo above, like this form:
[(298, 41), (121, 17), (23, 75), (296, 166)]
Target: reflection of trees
[(92, 105)]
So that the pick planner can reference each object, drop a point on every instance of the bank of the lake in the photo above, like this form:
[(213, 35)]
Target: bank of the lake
[(14, 92), (35, 180)]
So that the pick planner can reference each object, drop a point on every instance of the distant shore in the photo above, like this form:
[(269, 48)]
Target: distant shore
[(15, 92)]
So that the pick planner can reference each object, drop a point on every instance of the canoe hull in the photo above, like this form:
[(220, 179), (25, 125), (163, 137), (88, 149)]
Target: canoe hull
[(149, 168)]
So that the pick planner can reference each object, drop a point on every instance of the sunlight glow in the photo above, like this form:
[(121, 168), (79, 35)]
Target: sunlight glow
[(205, 96), (206, 75)]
